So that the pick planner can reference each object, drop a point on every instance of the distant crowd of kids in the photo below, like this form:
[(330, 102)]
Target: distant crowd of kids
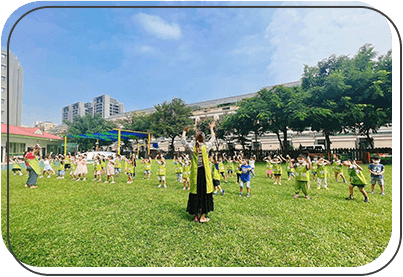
[(222, 167)]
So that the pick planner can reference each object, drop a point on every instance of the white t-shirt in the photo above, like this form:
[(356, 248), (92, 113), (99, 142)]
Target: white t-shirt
[(252, 163)]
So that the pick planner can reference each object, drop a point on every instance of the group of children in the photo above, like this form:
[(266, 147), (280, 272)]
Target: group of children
[(300, 169)]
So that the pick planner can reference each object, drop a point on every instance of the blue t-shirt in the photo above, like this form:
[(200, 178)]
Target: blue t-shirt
[(245, 175), (378, 168)]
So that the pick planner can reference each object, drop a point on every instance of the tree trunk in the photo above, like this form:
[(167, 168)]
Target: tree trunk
[(370, 140), (279, 140), (172, 146), (285, 142), (328, 142)]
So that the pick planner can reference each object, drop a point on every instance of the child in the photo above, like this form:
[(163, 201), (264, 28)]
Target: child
[(186, 174), (67, 162), (322, 173), (216, 175), (222, 169), (377, 169), (16, 166), (230, 167), (269, 167), (98, 169), (110, 169), (103, 164), (81, 168), (129, 165), (252, 165), (60, 172), (48, 169), (147, 168), (178, 169), (290, 169), (161, 170), (52, 164), (337, 168), (277, 170), (238, 159), (118, 167), (245, 177), (357, 179), (302, 168), (73, 167), (314, 168)]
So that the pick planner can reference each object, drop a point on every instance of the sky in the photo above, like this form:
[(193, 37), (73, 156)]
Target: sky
[(145, 56)]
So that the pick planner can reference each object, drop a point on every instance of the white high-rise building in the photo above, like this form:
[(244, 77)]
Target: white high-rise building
[(15, 89), (103, 105)]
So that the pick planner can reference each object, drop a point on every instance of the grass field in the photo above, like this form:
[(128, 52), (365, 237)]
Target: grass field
[(65, 223)]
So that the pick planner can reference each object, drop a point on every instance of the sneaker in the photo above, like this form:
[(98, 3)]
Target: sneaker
[(94, 179), (295, 196), (307, 197), (165, 186), (48, 176), (215, 193), (188, 188), (275, 183), (112, 182), (350, 198), (240, 194), (345, 181), (222, 193), (247, 195), (15, 174), (84, 179), (366, 199), (383, 193), (279, 184), (77, 180), (41, 176), (372, 192), (106, 182), (159, 186), (184, 188)]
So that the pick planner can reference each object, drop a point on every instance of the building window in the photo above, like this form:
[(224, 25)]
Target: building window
[(3, 89), (3, 56), (17, 149), (3, 78), (2, 101), (3, 67)]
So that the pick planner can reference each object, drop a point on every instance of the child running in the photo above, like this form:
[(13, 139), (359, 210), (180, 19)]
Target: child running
[(377, 169), (357, 179)]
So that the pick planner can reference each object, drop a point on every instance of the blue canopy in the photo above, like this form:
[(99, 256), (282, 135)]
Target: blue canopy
[(112, 135)]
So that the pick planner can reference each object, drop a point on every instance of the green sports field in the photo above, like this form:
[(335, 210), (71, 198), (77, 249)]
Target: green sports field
[(64, 223)]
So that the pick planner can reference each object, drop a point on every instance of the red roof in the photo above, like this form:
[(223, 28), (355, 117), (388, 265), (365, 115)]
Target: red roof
[(27, 131)]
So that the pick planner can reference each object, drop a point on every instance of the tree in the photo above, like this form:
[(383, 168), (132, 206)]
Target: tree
[(284, 109), (203, 125), (237, 127), (169, 119), (88, 124)]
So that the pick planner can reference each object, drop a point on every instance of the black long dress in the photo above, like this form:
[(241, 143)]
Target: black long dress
[(202, 202)]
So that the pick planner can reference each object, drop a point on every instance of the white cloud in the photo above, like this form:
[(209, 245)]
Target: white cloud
[(306, 36), (157, 26)]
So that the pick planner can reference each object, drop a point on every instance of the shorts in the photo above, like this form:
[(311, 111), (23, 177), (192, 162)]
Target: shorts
[(16, 169), (314, 172), (361, 186), (222, 174), (230, 171), (61, 173), (216, 183), (98, 172), (66, 166), (161, 177), (118, 170), (278, 175), (129, 174), (47, 167), (381, 182), (269, 171), (290, 173), (147, 171), (244, 182)]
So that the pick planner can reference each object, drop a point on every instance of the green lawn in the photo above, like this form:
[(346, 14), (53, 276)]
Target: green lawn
[(66, 223)]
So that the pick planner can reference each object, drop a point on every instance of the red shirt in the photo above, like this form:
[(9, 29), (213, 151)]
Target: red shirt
[(29, 156)]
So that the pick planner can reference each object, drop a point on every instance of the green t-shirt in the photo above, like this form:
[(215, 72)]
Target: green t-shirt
[(289, 168), (357, 177), (321, 171), (221, 167), (269, 165), (161, 169), (216, 172), (336, 166), (302, 173), (277, 168), (314, 166)]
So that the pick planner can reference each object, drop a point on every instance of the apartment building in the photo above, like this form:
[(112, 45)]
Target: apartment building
[(103, 105), (14, 90)]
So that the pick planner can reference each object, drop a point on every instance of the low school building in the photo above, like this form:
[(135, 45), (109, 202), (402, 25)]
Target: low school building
[(23, 137)]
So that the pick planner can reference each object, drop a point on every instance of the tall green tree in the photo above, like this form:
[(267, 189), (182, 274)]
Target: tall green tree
[(221, 135), (169, 120), (88, 124), (237, 127), (284, 109)]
